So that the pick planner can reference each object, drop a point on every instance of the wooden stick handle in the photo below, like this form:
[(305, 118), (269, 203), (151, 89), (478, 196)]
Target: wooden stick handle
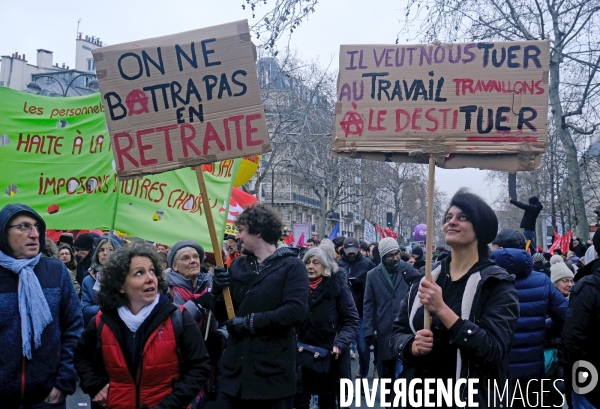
[(213, 238), (429, 239)]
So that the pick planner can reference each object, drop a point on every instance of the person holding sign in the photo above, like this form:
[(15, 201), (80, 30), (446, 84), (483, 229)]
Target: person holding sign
[(269, 288), (473, 304)]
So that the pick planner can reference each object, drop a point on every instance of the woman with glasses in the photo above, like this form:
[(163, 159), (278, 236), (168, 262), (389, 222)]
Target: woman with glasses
[(91, 284), (332, 323), (65, 254), (562, 277), (473, 305)]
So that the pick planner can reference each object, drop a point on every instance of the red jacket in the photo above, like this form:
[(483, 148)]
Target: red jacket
[(156, 376)]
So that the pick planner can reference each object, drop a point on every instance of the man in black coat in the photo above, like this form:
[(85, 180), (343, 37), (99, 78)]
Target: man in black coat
[(82, 247), (387, 284), (269, 288), (580, 334), (532, 211), (357, 266)]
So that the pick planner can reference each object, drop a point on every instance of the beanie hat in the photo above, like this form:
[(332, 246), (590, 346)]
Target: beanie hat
[(510, 239), (556, 259), (538, 257), (418, 252), (547, 256), (387, 245), (559, 271), (480, 214), (181, 244), (84, 242)]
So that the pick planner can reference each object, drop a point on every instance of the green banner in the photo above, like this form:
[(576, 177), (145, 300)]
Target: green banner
[(56, 157)]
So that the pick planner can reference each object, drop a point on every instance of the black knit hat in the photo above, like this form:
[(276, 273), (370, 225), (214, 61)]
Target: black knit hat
[(510, 239), (480, 214), (181, 244), (84, 242)]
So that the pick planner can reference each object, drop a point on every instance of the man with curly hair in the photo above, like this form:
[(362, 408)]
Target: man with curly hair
[(269, 288)]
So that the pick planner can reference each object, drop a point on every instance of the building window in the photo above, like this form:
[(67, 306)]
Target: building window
[(90, 64)]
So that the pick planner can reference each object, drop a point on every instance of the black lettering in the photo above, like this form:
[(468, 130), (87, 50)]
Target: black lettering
[(438, 91), (198, 113), (162, 87), (384, 85), (206, 52), (420, 90), (241, 84), (397, 91), (175, 90), (224, 86), (193, 61), (535, 53), (468, 110), (527, 121), (191, 89), (486, 47), (501, 118), (495, 61), (159, 66), (211, 82), (374, 76), (112, 105), (140, 68), (512, 56), (490, 120)]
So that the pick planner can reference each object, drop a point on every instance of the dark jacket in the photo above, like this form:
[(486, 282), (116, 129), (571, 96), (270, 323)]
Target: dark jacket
[(83, 266), (532, 210), (538, 299), (263, 365), (332, 321), (89, 303), (580, 334), (357, 277), (52, 363), (91, 367), (382, 304), (483, 338)]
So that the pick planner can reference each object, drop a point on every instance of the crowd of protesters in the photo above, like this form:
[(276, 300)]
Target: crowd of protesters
[(145, 325)]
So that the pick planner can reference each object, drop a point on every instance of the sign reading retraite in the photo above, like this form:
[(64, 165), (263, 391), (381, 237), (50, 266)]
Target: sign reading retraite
[(443, 99), (182, 100)]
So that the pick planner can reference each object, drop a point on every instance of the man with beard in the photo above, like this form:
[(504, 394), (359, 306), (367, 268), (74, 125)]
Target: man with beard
[(357, 266), (387, 284), (269, 289)]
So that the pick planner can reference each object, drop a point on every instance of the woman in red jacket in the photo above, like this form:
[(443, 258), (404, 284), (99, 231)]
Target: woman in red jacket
[(140, 350)]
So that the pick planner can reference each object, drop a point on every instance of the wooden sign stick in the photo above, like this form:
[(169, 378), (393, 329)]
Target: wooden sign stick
[(429, 239), (213, 238)]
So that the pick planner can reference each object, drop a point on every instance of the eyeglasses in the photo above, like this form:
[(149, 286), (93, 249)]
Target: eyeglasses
[(566, 281), (26, 227), (316, 263), (391, 256)]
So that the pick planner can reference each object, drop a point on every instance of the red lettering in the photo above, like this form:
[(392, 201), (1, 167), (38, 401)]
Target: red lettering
[(142, 148), (416, 116), (186, 141), (211, 135), (444, 112), (238, 130), (250, 130), (432, 119), (168, 148), (123, 152), (399, 113)]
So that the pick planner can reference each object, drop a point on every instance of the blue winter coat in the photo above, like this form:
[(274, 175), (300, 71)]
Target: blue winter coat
[(28, 382), (538, 299), (89, 303)]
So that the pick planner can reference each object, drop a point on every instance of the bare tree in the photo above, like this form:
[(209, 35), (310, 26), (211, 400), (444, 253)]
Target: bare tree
[(573, 28)]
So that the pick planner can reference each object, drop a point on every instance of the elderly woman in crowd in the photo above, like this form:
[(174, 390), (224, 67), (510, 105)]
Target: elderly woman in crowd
[(140, 351), (65, 254), (562, 277), (332, 323), (473, 305), (91, 285)]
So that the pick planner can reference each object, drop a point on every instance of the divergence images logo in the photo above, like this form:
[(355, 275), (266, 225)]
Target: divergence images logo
[(584, 377)]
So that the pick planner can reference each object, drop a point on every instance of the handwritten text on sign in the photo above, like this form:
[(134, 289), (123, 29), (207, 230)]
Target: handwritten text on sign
[(182, 100), (463, 98)]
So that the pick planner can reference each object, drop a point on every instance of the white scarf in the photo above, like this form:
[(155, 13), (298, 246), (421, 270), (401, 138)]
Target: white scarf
[(132, 321)]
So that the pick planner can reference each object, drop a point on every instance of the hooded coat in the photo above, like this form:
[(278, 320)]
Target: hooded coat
[(382, 304), (27, 382), (482, 335), (538, 299), (532, 210), (263, 365), (356, 271)]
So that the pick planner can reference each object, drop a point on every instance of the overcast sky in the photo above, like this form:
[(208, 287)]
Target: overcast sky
[(26, 26)]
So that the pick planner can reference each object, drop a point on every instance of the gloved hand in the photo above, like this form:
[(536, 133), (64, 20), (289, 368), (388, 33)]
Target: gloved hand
[(221, 279), (206, 300), (371, 340), (240, 325)]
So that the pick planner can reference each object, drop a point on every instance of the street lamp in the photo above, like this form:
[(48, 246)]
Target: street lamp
[(36, 88), (289, 166)]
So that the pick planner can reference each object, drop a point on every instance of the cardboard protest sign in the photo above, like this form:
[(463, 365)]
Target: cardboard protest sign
[(182, 100), (458, 102), (57, 158)]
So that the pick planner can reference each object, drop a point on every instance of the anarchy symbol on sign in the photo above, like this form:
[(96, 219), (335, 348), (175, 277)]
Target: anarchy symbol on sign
[(352, 123)]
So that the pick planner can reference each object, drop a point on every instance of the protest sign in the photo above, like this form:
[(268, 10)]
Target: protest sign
[(302, 232), (369, 234), (182, 100), (472, 104), (57, 158)]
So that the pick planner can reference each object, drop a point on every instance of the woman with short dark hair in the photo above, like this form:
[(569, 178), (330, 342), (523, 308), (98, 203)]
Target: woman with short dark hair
[(473, 305), (140, 351)]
